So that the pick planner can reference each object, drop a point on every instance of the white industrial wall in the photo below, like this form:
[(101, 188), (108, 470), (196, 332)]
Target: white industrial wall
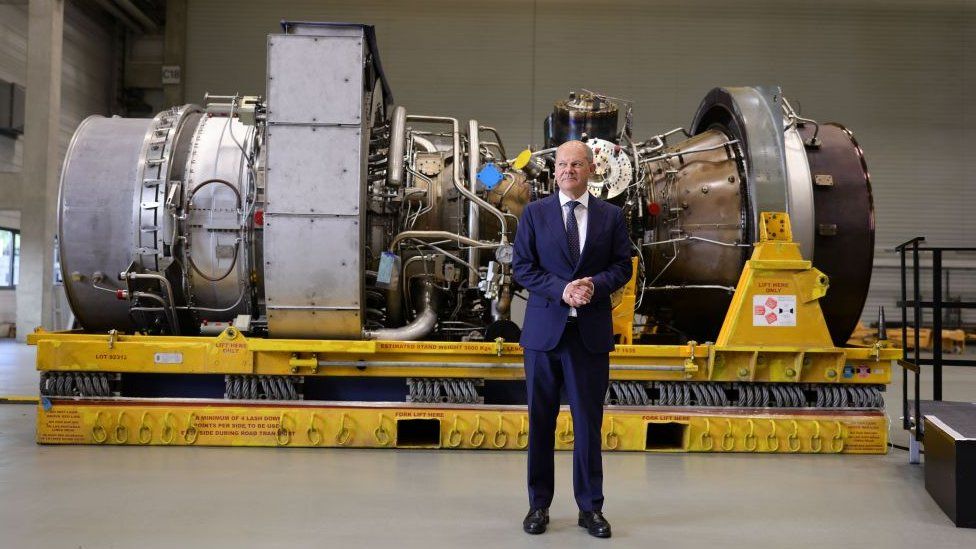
[(85, 86)]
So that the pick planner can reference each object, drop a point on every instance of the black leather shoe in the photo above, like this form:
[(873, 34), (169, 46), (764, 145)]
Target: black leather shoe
[(594, 523), (535, 522)]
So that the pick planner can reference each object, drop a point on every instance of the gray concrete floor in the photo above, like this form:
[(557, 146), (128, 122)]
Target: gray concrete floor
[(67, 496), (18, 372)]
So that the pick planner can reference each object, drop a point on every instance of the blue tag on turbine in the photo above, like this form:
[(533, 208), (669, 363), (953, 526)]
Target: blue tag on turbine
[(490, 175), (388, 274)]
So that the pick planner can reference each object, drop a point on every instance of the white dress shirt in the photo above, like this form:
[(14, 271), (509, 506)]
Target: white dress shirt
[(581, 210)]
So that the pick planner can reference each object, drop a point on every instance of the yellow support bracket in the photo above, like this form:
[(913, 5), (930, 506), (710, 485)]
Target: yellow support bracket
[(775, 226), (297, 363), (624, 301), (776, 298)]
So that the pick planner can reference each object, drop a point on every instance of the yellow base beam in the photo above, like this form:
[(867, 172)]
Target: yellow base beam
[(398, 425), (232, 353)]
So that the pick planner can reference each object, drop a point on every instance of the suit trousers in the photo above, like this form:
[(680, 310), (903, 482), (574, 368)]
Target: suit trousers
[(585, 376)]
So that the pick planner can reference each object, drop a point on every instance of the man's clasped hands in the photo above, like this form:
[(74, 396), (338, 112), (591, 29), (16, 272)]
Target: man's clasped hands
[(578, 292)]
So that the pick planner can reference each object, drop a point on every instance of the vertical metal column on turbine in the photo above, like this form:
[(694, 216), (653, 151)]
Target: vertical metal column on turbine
[(313, 220)]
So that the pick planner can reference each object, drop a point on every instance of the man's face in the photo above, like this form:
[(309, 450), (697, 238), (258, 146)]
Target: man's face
[(573, 168)]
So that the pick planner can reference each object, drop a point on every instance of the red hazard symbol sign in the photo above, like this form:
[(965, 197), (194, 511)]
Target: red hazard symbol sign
[(774, 310)]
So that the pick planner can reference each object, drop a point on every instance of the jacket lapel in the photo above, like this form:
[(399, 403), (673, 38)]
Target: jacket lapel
[(553, 216)]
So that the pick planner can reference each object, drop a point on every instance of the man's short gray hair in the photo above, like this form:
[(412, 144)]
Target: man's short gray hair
[(589, 151)]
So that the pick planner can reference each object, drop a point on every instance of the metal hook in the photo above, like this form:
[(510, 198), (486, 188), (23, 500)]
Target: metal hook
[(707, 435), (190, 435), (522, 433), (314, 435), (478, 433), (838, 440), (381, 434), (751, 436), (816, 443), (567, 436), (121, 431), (728, 438), (500, 431), (792, 437), (771, 437), (145, 428), (282, 435), (167, 433), (454, 435), (99, 434), (612, 440), (344, 434)]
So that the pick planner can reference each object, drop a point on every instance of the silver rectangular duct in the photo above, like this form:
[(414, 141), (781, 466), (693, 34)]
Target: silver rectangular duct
[(313, 234)]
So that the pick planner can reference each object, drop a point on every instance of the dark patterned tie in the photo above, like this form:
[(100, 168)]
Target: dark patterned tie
[(572, 232)]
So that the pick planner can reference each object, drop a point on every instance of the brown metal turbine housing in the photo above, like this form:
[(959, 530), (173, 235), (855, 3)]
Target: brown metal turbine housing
[(702, 209)]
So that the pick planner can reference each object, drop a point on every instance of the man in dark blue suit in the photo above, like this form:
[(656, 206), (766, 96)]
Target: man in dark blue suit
[(571, 252)]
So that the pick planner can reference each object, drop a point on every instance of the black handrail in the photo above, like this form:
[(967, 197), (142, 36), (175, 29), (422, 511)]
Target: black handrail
[(918, 306)]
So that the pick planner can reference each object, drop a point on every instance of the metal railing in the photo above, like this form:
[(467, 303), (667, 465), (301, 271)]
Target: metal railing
[(937, 305)]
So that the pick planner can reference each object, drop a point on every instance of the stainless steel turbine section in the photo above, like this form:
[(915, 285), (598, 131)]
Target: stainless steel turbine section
[(155, 221), (220, 201), (95, 218)]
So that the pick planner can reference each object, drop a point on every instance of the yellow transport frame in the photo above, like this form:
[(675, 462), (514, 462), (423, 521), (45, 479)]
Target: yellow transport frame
[(796, 348)]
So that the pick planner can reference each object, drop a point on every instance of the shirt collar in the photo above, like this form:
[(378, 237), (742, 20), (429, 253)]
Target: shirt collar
[(584, 199)]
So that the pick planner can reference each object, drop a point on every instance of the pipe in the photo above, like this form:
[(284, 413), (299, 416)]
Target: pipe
[(456, 173), (440, 235), (501, 308), (474, 218), (170, 318), (398, 136), (498, 138), (161, 301), (667, 156), (699, 239), (427, 144), (240, 298), (394, 304), (169, 293), (544, 151), (420, 327), (394, 294), (445, 253)]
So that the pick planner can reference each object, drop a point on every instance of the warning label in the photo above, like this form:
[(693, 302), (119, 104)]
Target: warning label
[(774, 310), (60, 426), (234, 425), (865, 437)]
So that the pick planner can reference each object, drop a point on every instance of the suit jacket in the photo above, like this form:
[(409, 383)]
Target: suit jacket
[(542, 265)]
